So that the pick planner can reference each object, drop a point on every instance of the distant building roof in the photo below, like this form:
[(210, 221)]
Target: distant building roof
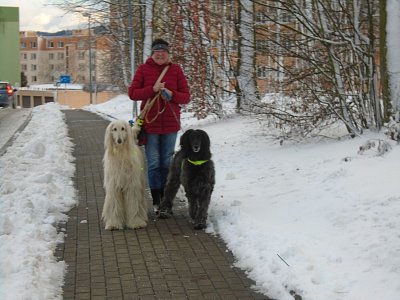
[(58, 33), (51, 86)]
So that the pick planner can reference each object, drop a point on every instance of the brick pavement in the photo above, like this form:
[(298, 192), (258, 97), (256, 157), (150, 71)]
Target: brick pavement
[(166, 260)]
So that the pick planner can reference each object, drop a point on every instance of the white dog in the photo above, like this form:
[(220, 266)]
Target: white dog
[(124, 178)]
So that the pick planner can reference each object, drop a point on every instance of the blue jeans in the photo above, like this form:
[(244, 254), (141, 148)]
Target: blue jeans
[(159, 150)]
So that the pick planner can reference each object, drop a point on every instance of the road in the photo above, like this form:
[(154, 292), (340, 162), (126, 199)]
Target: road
[(11, 122)]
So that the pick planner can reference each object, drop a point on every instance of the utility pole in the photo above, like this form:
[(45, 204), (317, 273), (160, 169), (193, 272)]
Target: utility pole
[(132, 53), (90, 58)]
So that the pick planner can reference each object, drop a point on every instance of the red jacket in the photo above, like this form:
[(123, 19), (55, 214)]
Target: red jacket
[(141, 89)]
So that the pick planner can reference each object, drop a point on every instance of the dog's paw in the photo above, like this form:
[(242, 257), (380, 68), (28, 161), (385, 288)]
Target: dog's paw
[(199, 226), (137, 225), (113, 227), (165, 214)]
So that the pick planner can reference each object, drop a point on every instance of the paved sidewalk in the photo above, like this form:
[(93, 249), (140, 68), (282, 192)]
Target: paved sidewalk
[(166, 260)]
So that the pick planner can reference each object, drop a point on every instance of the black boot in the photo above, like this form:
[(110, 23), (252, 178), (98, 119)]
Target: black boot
[(156, 195), (161, 194)]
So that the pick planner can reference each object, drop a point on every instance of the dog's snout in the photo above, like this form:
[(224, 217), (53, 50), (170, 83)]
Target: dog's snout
[(119, 141), (196, 146)]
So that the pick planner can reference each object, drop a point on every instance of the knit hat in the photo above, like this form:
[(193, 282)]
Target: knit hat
[(159, 44)]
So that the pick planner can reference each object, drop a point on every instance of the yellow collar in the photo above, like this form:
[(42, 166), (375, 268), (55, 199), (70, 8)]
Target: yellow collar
[(197, 162)]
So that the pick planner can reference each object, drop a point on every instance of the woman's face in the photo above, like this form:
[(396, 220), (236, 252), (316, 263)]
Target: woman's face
[(161, 57)]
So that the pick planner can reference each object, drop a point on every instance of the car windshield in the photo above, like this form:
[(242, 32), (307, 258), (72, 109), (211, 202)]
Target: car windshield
[(3, 85)]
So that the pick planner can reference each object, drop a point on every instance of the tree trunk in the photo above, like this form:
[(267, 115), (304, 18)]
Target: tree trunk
[(246, 75), (383, 58), (148, 29)]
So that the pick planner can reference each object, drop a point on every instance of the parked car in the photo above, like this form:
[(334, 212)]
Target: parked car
[(7, 97)]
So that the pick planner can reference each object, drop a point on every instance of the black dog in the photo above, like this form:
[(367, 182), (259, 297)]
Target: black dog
[(192, 167)]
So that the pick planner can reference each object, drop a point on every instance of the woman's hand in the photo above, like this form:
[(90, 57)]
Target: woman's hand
[(166, 94), (158, 87)]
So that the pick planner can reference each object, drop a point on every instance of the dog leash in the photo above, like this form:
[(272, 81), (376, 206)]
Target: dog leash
[(175, 116), (149, 104)]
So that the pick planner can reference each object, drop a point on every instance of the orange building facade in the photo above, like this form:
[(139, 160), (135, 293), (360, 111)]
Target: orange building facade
[(45, 57)]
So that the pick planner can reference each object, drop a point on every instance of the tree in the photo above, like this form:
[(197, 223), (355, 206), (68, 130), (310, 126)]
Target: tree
[(246, 85), (393, 70), (319, 56), (328, 52), (24, 80), (383, 59)]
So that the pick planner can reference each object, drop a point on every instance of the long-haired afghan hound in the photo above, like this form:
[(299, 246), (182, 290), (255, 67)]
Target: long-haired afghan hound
[(192, 167), (124, 178)]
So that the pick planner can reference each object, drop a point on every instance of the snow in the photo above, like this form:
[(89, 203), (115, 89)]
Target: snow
[(36, 191), (51, 86), (314, 217)]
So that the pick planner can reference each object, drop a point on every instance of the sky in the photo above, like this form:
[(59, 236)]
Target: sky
[(38, 15), (316, 217)]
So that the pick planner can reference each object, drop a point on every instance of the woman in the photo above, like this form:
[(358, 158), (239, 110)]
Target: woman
[(162, 121)]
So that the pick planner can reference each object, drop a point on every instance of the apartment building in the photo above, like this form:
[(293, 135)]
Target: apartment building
[(44, 57), (9, 46)]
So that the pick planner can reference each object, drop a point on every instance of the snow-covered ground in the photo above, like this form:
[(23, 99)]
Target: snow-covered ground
[(315, 217), (36, 189)]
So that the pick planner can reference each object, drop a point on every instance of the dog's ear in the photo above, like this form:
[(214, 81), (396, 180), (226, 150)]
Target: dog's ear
[(136, 129), (206, 143), (184, 141), (131, 135), (107, 137)]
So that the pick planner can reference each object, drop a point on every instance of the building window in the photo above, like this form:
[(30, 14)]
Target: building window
[(24, 67), (286, 17), (51, 67), (34, 78), (81, 44), (287, 44), (261, 17), (23, 45), (60, 56), (33, 44), (50, 44), (51, 56), (81, 55), (214, 6), (33, 56), (33, 67), (261, 71), (24, 56), (60, 44), (233, 45), (263, 45)]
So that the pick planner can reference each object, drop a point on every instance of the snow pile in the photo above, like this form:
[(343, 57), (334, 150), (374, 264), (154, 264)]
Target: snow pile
[(35, 189)]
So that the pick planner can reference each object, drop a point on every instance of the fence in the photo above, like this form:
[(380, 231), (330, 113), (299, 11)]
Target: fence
[(72, 98)]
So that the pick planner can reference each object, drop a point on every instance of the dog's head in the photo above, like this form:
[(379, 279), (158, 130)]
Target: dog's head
[(118, 134), (196, 142)]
